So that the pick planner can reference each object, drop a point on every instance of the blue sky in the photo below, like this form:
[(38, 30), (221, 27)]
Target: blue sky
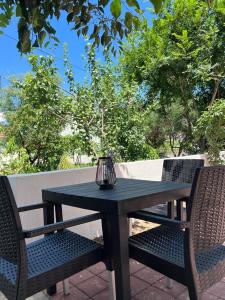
[(13, 63)]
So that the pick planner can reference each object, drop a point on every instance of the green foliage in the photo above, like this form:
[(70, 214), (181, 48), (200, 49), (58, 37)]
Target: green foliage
[(15, 160), (179, 62), (40, 117), (105, 114), (35, 22), (65, 162), (212, 125), (108, 114)]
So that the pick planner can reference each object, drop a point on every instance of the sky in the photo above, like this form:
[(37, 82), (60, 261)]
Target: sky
[(13, 63)]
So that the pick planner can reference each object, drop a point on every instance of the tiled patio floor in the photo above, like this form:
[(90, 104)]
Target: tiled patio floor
[(146, 284)]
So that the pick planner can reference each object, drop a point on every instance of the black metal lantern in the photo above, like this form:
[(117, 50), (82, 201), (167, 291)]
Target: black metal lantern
[(105, 175)]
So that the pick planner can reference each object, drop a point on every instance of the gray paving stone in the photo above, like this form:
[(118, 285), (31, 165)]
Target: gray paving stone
[(38, 296)]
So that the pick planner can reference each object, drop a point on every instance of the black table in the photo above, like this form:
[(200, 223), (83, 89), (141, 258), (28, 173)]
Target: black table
[(129, 195)]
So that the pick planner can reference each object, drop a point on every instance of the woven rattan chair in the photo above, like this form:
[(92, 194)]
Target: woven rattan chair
[(28, 269), (190, 252), (177, 170)]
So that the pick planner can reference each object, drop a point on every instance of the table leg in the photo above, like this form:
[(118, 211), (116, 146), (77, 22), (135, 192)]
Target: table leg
[(171, 215), (49, 219), (115, 233), (170, 210)]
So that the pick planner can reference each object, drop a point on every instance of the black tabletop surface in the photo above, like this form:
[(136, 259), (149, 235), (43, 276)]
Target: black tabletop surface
[(128, 195)]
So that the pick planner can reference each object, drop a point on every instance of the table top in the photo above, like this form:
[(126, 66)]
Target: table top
[(128, 195)]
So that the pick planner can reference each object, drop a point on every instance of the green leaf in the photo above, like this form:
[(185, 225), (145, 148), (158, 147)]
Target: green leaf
[(55, 38), (133, 3), (128, 20), (157, 5), (115, 8), (46, 44), (41, 36), (136, 22), (69, 17), (18, 11)]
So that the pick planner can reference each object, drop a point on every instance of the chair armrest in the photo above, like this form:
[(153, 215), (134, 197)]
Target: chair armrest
[(159, 220), (32, 206), (60, 225)]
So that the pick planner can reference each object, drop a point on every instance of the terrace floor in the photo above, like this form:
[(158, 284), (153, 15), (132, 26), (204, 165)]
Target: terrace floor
[(146, 284)]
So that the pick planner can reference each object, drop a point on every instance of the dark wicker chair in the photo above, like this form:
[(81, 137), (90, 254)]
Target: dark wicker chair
[(190, 252), (177, 170), (28, 269)]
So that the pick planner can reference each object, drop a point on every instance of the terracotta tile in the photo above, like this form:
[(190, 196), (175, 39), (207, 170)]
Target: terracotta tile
[(104, 275), (176, 289), (38, 296), (96, 269), (104, 295), (80, 277), (93, 286), (74, 294), (205, 296), (218, 289), (59, 287), (137, 285), (135, 266), (152, 293), (148, 275)]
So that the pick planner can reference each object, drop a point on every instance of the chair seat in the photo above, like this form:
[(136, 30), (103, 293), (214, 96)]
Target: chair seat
[(162, 242), (57, 249), (8, 270), (167, 243)]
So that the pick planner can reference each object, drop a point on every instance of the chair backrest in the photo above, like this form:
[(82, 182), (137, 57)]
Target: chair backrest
[(13, 260), (9, 223), (180, 170), (207, 208)]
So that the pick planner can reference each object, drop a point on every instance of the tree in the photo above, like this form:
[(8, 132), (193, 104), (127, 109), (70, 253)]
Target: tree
[(107, 114), (35, 19), (179, 62), (211, 124), (35, 126)]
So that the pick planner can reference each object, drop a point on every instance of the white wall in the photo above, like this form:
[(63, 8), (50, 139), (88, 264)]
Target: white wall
[(27, 189)]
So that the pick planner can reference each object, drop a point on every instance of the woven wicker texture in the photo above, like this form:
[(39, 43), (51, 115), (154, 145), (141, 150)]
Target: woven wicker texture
[(168, 243), (177, 170), (207, 225), (26, 270), (9, 244), (8, 233), (208, 219), (180, 170), (56, 250), (162, 242), (208, 209)]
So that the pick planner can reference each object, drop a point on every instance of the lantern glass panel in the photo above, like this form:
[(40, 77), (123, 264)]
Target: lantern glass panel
[(105, 175)]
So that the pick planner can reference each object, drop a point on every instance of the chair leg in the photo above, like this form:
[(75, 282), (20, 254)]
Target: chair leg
[(112, 287), (180, 210), (66, 287), (130, 223), (169, 283), (193, 294)]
